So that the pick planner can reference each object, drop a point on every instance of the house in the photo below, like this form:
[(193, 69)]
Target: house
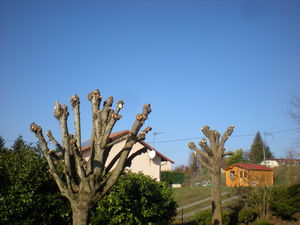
[(151, 162), (245, 174), (281, 162)]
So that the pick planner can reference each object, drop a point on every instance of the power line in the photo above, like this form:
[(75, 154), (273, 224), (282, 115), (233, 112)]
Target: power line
[(240, 135), (197, 138)]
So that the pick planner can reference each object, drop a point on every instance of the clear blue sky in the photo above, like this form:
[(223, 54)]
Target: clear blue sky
[(215, 63)]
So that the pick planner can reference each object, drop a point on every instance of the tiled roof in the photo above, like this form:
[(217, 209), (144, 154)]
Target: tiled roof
[(249, 166), (87, 144)]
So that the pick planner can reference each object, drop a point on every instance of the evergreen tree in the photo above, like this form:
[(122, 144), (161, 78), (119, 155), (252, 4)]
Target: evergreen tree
[(257, 150), (19, 144)]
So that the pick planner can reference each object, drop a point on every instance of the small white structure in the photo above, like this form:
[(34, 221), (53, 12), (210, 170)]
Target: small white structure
[(149, 162), (280, 162), (270, 163)]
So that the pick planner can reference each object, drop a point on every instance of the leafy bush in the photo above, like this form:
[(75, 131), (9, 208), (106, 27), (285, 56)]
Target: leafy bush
[(286, 201), (173, 177), (28, 194), (205, 217), (246, 215), (261, 222), (136, 199)]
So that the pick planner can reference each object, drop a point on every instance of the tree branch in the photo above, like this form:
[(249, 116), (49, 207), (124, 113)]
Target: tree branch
[(75, 102), (204, 163), (140, 119), (132, 157), (95, 98), (202, 154), (112, 143), (78, 158), (61, 113), (58, 146), (226, 135), (204, 146), (37, 130), (142, 135), (113, 117)]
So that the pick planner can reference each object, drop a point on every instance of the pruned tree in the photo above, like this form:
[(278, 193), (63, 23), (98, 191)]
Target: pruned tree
[(211, 156), (85, 183)]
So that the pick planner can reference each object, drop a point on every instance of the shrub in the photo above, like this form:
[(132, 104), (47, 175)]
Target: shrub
[(261, 222), (205, 217), (136, 199), (246, 215), (286, 201), (28, 194), (173, 177)]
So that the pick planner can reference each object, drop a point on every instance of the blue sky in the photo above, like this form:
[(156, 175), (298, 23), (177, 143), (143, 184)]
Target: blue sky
[(215, 63)]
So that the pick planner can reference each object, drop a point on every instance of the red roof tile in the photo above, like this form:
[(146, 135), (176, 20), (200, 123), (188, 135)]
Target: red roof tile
[(249, 166)]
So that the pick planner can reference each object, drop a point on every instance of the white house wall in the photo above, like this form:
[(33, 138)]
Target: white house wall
[(142, 163), (166, 166)]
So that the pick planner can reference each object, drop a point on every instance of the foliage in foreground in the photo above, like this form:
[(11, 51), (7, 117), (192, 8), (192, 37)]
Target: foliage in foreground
[(286, 201), (28, 194), (205, 217), (136, 199)]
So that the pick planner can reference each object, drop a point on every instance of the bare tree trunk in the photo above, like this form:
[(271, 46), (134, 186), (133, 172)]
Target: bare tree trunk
[(216, 199), (80, 213), (211, 157)]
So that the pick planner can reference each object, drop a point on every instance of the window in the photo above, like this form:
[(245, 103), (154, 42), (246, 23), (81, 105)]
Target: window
[(231, 175), (245, 174), (241, 174)]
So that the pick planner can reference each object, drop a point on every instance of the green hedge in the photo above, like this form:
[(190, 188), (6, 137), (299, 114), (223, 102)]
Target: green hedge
[(172, 177)]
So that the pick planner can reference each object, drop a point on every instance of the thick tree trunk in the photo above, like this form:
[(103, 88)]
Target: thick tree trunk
[(216, 198), (80, 213)]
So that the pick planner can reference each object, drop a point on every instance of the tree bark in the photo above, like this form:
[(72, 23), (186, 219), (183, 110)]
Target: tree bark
[(216, 199), (80, 213)]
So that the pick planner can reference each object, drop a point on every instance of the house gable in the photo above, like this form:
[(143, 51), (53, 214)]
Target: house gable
[(143, 163)]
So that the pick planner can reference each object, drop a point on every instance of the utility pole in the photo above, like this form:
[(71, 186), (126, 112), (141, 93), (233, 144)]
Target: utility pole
[(266, 134)]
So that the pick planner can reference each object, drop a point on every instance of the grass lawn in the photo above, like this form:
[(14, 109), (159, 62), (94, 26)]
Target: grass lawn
[(187, 195)]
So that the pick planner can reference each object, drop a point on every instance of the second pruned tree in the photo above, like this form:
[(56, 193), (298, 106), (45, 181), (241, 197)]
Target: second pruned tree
[(211, 156), (82, 182)]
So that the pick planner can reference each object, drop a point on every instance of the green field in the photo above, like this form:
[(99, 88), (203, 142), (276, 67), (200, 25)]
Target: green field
[(189, 195)]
